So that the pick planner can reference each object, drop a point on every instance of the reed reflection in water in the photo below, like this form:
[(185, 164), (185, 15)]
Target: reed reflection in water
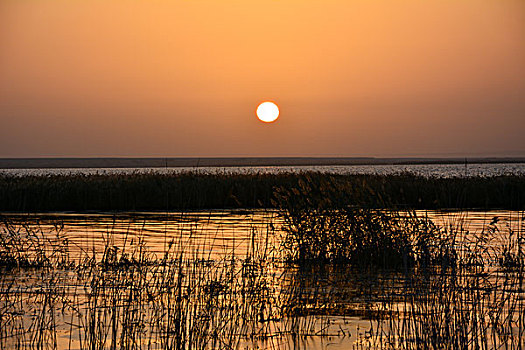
[(218, 280)]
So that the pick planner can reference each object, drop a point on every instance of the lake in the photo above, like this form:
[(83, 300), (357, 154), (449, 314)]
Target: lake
[(427, 170), (134, 279)]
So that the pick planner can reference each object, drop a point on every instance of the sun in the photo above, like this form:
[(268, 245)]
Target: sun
[(267, 112)]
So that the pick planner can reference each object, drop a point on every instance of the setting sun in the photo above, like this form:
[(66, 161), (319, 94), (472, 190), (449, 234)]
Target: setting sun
[(134, 177), (267, 112)]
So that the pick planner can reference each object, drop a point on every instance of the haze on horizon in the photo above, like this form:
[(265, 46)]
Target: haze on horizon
[(183, 78)]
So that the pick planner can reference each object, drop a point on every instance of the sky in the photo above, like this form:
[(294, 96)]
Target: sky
[(159, 78)]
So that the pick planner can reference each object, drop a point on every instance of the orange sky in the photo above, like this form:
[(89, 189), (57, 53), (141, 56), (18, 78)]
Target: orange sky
[(183, 78)]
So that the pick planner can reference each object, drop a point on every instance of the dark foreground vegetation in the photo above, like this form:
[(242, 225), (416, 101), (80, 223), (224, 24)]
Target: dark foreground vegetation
[(189, 191), (342, 250), (455, 291)]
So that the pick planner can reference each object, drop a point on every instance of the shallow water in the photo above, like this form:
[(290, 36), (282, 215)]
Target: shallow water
[(428, 170), (216, 232), (335, 305)]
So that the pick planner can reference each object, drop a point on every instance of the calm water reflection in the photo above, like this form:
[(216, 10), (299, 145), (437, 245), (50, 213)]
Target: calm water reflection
[(331, 307), (217, 232)]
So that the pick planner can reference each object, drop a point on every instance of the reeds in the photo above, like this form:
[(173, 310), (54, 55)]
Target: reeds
[(478, 302), (458, 289), (30, 247), (335, 263), (124, 297), (185, 191), (322, 226)]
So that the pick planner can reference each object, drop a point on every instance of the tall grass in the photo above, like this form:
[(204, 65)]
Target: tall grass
[(344, 255), (222, 190), (322, 226), (29, 246), (476, 303), (458, 289), (128, 298)]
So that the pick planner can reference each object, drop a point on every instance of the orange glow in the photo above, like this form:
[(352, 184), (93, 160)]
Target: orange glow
[(177, 78)]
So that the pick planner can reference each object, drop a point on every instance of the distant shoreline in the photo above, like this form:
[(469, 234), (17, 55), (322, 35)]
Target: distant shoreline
[(40, 163)]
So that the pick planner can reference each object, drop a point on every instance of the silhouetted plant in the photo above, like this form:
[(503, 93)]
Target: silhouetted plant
[(321, 225), (191, 190)]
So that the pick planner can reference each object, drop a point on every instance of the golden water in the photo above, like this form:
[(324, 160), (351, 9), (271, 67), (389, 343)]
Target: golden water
[(214, 235)]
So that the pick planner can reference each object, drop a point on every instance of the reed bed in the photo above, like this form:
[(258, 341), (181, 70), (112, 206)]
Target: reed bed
[(192, 190), (476, 303), (321, 226), (448, 288), (337, 263), (125, 297)]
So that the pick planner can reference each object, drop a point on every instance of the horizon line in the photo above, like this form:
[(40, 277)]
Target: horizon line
[(195, 162)]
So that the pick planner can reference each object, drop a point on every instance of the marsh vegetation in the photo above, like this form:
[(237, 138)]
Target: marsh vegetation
[(198, 191), (320, 268)]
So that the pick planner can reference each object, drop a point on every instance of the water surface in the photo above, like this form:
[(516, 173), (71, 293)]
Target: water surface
[(334, 307), (428, 170)]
